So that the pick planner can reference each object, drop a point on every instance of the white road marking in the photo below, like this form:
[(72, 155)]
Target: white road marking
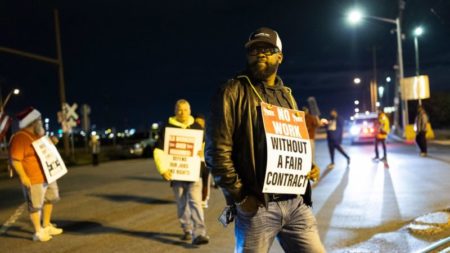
[(12, 219)]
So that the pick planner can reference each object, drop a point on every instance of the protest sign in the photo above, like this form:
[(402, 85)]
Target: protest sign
[(288, 150), (51, 161), (182, 147)]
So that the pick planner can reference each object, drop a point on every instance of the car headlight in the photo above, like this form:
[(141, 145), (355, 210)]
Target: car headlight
[(354, 130)]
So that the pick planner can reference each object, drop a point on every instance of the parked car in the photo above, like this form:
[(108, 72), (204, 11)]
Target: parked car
[(362, 128), (143, 148)]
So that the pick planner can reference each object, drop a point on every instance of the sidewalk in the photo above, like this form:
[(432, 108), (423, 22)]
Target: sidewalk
[(427, 231)]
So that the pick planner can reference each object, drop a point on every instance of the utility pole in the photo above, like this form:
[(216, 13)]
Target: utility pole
[(62, 85), (405, 118), (373, 83), (58, 62)]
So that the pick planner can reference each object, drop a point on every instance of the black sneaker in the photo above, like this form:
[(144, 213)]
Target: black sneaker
[(201, 239), (187, 236)]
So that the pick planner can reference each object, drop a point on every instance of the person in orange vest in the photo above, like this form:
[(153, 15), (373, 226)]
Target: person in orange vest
[(382, 130)]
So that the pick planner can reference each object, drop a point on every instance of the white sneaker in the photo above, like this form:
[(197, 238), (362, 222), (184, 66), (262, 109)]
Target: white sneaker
[(52, 230), (41, 236), (330, 166)]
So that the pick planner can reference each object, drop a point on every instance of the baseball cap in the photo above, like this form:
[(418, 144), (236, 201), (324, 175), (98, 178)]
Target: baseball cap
[(266, 35)]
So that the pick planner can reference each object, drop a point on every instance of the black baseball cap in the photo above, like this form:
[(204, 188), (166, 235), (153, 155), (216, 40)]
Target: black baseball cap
[(266, 35)]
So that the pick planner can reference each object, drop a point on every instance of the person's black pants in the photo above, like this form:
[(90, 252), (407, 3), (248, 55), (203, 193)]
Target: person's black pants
[(95, 159), (334, 144), (421, 141), (383, 144)]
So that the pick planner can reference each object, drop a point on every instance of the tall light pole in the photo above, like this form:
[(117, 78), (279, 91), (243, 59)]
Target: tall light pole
[(417, 32), (3, 105), (355, 16), (58, 62)]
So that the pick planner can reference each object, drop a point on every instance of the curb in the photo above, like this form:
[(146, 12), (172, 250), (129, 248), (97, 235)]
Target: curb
[(431, 223)]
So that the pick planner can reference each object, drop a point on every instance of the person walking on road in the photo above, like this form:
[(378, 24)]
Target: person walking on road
[(312, 122), (236, 154), (421, 130), (206, 176), (335, 131), (188, 195), (39, 195), (94, 143), (382, 130)]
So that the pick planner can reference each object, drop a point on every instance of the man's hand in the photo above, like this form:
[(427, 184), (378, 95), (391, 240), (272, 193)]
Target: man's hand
[(250, 204), (54, 139), (25, 181), (314, 174), (167, 175)]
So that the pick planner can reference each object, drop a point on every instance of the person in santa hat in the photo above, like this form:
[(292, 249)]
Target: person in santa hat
[(39, 195)]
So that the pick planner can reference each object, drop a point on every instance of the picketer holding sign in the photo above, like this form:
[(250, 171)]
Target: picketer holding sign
[(263, 173), (177, 158), (39, 193)]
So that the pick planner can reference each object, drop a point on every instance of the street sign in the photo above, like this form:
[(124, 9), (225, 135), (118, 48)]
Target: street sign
[(68, 118), (416, 87), (69, 111), (85, 111)]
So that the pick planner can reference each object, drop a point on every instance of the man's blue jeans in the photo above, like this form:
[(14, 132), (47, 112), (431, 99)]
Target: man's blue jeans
[(291, 221), (189, 206)]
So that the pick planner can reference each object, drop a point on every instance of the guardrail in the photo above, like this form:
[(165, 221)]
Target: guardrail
[(435, 245)]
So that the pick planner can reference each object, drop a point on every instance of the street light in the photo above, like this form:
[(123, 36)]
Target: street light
[(417, 32), (354, 17), (15, 92), (381, 91), (357, 80)]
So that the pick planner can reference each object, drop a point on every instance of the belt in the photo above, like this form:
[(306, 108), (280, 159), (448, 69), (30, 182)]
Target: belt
[(273, 197)]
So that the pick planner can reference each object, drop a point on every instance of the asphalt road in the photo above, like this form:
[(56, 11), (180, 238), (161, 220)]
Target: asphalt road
[(125, 206)]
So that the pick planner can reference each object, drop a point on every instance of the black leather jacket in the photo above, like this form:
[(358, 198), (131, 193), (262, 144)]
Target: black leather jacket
[(235, 139)]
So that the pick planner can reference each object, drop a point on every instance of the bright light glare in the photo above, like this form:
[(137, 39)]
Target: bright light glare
[(354, 16), (388, 79), (418, 31), (357, 80), (356, 110), (378, 104), (354, 130), (16, 91), (356, 102), (381, 91)]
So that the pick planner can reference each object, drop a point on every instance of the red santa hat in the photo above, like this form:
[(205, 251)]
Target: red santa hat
[(27, 116)]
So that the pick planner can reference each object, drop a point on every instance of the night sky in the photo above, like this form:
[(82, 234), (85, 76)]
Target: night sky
[(131, 60)]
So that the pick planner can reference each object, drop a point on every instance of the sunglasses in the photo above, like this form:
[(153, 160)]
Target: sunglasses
[(253, 51)]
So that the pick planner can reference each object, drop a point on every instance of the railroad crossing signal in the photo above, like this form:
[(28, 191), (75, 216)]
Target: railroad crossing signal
[(68, 117)]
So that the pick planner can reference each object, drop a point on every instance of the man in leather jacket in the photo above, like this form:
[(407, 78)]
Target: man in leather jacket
[(236, 155)]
